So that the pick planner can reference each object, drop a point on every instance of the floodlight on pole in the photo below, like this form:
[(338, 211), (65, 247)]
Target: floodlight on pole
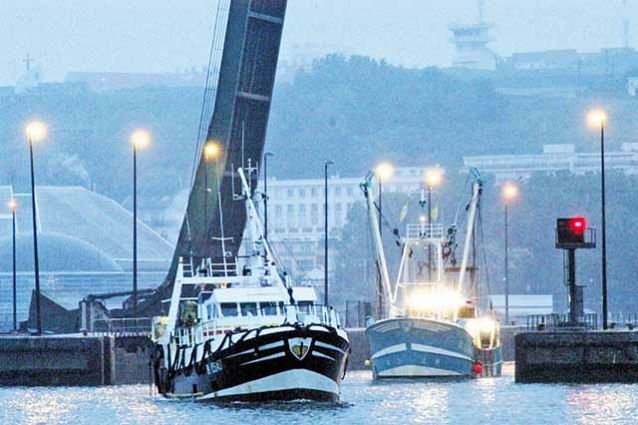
[(384, 171), (140, 139), (36, 131), (433, 177), (13, 206), (597, 119), (509, 193), (212, 151)]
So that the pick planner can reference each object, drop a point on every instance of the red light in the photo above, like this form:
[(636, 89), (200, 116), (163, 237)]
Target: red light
[(577, 225)]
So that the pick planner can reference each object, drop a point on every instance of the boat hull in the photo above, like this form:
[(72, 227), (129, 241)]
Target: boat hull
[(491, 361), (277, 363), (420, 348)]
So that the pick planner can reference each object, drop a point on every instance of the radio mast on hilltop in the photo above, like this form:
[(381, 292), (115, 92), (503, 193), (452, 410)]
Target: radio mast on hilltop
[(625, 24), (470, 41)]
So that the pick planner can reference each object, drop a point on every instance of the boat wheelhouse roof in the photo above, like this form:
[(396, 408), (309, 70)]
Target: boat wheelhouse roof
[(261, 294)]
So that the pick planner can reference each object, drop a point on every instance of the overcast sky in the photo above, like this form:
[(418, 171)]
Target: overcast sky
[(162, 35)]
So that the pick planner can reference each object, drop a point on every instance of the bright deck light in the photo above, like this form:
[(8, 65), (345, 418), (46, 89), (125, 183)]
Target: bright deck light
[(36, 131), (13, 204), (435, 300), (481, 325)]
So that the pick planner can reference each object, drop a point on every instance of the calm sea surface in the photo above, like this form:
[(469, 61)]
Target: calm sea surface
[(363, 402)]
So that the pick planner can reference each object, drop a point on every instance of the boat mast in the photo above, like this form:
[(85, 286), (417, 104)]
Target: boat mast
[(259, 243), (477, 188), (376, 235)]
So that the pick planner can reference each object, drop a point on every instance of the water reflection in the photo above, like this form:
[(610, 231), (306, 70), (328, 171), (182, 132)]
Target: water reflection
[(601, 404), (484, 401)]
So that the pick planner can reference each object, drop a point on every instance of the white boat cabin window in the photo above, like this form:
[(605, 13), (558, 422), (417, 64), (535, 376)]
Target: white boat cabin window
[(306, 306), (229, 309), (248, 309), (213, 311), (268, 308)]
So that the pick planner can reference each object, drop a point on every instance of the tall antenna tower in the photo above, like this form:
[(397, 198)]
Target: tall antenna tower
[(471, 43), (481, 11), (625, 24)]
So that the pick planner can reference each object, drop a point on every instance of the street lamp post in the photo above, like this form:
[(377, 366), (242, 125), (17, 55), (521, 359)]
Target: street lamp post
[(139, 139), (509, 192), (212, 151), (36, 131), (13, 206), (266, 155), (325, 241), (383, 172), (598, 119), (433, 178)]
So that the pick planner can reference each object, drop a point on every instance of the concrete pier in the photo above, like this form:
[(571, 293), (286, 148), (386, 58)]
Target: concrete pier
[(114, 360), (360, 349), (577, 356), (65, 360), (56, 360)]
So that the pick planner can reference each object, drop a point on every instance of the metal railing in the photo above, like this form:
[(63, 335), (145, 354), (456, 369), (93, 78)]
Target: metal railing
[(123, 326), (591, 321), (317, 314), (425, 230), (544, 322), (627, 321)]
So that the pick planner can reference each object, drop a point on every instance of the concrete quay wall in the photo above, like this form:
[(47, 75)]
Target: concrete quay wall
[(360, 349), (577, 356), (107, 360), (56, 360)]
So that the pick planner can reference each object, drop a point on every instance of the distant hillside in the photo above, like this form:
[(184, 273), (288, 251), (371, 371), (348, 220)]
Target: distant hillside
[(355, 111), (358, 111)]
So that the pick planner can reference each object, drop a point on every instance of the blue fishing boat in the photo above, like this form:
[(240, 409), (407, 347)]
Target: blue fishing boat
[(432, 326)]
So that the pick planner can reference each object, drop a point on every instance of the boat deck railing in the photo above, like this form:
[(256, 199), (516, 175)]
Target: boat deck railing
[(542, 322), (425, 231), (205, 330), (141, 326)]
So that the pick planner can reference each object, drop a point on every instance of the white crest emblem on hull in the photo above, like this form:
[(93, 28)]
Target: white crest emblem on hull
[(299, 347)]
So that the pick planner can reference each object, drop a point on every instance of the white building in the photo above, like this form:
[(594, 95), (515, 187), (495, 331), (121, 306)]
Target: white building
[(296, 216), (521, 306), (555, 158)]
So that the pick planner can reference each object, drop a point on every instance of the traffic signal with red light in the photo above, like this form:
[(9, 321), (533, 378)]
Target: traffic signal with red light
[(571, 230)]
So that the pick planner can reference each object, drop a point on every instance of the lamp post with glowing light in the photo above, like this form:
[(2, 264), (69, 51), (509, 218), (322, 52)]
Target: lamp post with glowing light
[(140, 139), (212, 152), (325, 229), (36, 131), (509, 193), (266, 155), (384, 172), (598, 119), (433, 178), (13, 206)]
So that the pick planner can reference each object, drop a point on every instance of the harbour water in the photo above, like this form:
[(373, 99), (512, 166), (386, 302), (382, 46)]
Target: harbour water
[(497, 400)]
